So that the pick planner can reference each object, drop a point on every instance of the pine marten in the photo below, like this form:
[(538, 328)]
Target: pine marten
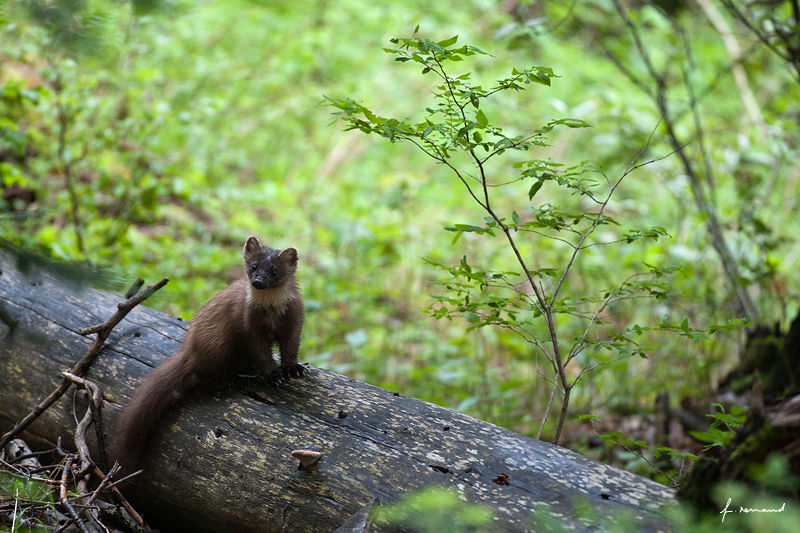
[(233, 333)]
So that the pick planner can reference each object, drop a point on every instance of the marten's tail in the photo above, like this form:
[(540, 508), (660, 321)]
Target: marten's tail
[(167, 383)]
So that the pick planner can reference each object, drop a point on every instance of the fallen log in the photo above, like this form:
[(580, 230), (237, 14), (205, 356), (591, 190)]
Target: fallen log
[(222, 460)]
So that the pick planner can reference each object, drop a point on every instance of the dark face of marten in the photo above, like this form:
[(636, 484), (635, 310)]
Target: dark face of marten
[(268, 268)]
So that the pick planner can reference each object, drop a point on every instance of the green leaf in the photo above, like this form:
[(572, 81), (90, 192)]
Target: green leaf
[(472, 318), (515, 217), (465, 227), (570, 123), (534, 189), (503, 143), (480, 118), (447, 42), (541, 76)]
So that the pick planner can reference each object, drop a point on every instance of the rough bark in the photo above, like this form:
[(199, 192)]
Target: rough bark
[(222, 461)]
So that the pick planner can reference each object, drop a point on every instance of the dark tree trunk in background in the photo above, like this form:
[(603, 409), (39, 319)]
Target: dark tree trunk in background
[(221, 461), (767, 380)]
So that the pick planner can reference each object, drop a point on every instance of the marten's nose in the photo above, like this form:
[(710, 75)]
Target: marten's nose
[(258, 283)]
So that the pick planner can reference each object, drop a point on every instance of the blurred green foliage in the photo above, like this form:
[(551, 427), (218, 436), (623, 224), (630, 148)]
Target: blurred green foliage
[(434, 509), (29, 497), (27, 489), (157, 141)]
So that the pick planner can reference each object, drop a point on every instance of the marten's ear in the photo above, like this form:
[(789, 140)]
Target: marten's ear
[(289, 256), (252, 246)]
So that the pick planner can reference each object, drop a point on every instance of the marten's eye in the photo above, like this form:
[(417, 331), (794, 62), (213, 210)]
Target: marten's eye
[(253, 267), (274, 271)]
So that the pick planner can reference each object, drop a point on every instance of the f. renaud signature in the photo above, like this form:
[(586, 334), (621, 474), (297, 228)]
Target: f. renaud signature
[(727, 510)]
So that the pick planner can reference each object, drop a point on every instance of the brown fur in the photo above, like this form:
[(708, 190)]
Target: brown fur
[(233, 333)]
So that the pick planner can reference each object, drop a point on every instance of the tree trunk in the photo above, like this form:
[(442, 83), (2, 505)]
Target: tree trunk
[(222, 461), (770, 369)]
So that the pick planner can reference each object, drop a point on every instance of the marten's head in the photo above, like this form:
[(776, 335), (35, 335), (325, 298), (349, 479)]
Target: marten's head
[(267, 268)]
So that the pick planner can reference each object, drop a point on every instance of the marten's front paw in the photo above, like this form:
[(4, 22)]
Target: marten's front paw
[(275, 378), (294, 371)]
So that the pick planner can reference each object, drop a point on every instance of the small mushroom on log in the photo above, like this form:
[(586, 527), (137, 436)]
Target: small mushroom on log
[(308, 455)]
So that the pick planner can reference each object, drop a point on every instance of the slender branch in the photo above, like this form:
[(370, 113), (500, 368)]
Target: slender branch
[(632, 166), (103, 484), (562, 416), (445, 161), (623, 12), (471, 151), (627, 72), (63, 495), (553, 391), (603, 243), (565, 386), (501, 88), (527, 336), (123, 309), (509, 182), (579, 345), (578, 247), (509, 147), (436, 157), (546, 236), (695, 112), (134, 288), (124, 479)]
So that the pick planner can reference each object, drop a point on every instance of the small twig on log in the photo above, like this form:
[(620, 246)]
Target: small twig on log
[(14, 468), (95, 400), (65, 468), (103, 484), (95, 404), (83, 472), (128, 507), (83, 450), (59, 450), (134, 288), (126, 478), (123, 309), (90, 506), (20, 458), (103, 331), (63, 495)]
